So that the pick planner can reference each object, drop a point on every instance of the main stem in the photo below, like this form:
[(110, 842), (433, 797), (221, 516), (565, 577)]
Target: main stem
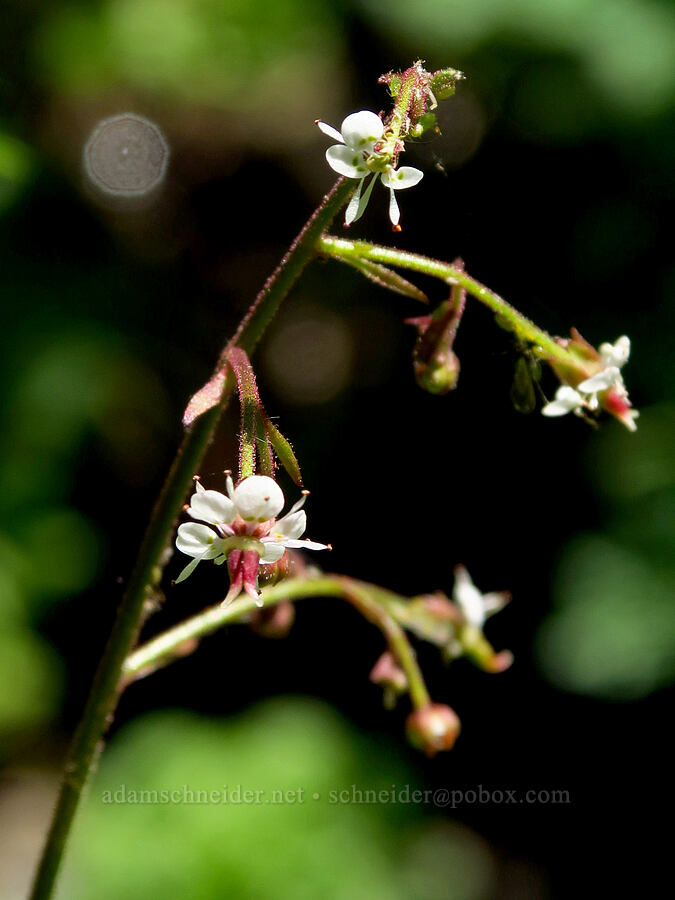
[(99, 711)]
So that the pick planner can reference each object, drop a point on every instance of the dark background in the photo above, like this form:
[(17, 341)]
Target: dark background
[(550, 179)]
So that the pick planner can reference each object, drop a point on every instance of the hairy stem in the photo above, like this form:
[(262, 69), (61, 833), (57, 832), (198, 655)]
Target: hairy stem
[(541, 343), (100, 707)]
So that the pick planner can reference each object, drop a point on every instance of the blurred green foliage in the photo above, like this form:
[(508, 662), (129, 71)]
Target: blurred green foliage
[(621, 51), (236, 57), (75, 387), (16, 168), (303, 848), (612, 629)]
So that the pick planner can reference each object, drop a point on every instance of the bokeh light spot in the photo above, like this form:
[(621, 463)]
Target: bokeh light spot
[(126, 155), (309, 359)]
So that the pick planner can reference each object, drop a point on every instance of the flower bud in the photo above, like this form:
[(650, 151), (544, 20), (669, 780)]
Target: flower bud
[(433, 728), (391, 676), (435, 364), (274, 621), (444, 81), (440, 375), (272, 573)]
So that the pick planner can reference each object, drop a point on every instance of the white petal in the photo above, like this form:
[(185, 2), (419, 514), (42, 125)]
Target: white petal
[(258, 498), (362, 203), (399, 179), (213, 507), (394, 211), (362, 130), (305, 544), (353, 205), (467, 596), (566, 399), (273, 552), (346, 161), (297, 505), (291, 526), (629, 418), (616, 354), (495, 601), (330, 131), (600, 381), (194, 539)]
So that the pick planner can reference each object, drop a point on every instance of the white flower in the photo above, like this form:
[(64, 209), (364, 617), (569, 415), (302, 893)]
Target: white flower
[(613, 356), (616, 354), (585, 395), (475, 607), (359, 134), (566, 400), (247, 512), (356, 139)]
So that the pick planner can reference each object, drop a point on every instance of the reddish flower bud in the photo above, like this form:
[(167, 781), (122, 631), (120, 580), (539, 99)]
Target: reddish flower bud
[(271, 573), (435, 364), (391, 676), (433, 728), (273, 621)]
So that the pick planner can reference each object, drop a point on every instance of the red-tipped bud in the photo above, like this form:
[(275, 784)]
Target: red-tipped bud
[(274, 621), (433, 728)]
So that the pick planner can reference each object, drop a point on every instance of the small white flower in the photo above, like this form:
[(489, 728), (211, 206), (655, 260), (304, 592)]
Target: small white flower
[(475, 607), (566, 400), (613, 356), (585, 395), (246, 511), (601, 381), (359, 134), (616, 354)]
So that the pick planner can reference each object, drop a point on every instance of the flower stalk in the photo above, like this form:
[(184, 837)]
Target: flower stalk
[(542, 344), (153, 555)]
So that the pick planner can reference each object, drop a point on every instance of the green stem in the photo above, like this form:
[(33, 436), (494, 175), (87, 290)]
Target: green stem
[(401, 108), (369, 600), (542, 344), (87, 741)]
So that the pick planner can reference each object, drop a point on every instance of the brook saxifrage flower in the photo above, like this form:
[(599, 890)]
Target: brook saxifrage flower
[(242, 529)]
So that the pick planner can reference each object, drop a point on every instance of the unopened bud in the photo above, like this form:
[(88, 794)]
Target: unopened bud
[(388, 673), (271, 573), (444, 81), (435, 364), (273, 621), (440, 375), (433, 728)]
